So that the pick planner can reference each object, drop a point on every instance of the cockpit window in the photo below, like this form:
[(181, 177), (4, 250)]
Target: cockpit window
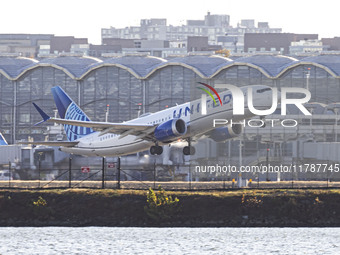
[(262, 90)]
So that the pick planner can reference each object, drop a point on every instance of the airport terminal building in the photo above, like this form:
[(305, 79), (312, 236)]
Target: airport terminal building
[(147, 84), (137, 84)]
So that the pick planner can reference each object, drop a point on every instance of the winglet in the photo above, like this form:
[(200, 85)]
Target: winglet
[(42, 113)]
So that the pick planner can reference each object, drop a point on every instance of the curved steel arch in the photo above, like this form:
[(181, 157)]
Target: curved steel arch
[(260, 69), (103, 64), (302, 63), (164, 65)]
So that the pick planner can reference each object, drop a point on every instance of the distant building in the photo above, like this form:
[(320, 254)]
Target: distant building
[(264, 25), (248, 23), (261, 42), (333, 43), (153, 29), (178, 44), (101, 50), (26, 45), (231, 43), (123, 43), (200, 43), (156, 48), (212, 26), (307, 46), (216, 20), (197, 43), (82, 49), (60, 44), (195, 22), (151, 44)]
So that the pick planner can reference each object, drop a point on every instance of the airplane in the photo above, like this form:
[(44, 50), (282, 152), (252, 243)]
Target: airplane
[(151, 130)]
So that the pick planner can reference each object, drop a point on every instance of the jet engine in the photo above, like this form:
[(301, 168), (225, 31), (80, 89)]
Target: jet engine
[(223, 134), (170, 130)]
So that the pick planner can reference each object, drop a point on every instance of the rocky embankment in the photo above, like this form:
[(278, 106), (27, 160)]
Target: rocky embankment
[(256, 208)]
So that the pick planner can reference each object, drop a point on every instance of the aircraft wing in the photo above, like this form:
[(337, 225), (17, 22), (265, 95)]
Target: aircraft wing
[(124, 129), (52, 143), (99, 126)]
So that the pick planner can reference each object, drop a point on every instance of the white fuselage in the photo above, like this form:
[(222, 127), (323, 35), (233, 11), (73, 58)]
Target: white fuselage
[(114, 145)]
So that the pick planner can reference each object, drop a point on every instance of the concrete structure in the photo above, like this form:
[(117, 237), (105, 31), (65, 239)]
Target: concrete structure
[(248, 23), (122, 43), (212, 26), (197, 43), (260, 42), (216, 20), (61, 44), (99, 51), (25, 45), (307, 46), (333, 43)]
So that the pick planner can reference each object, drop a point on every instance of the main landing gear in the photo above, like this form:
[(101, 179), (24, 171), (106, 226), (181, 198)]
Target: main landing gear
[(189, 150), (156, 150)]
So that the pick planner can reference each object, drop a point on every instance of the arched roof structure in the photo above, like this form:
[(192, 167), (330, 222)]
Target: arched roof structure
[(272, 66)]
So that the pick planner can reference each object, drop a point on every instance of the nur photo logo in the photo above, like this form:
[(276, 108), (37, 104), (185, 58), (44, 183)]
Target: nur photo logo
[(238, 99)]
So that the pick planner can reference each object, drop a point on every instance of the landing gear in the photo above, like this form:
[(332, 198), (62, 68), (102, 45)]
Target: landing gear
[(156, 150), (189, 150)]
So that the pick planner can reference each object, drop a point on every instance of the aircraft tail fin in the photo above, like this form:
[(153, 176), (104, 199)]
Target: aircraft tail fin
[(69, 110)]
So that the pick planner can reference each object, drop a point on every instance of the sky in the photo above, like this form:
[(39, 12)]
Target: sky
[(86, 18)]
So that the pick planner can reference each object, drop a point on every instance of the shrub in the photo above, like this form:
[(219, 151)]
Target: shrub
[(251, 201), (40, 202), (160, 206)]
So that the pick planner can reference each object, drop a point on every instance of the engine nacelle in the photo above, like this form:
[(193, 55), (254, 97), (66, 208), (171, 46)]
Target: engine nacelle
[(170, 130), (223, 134)]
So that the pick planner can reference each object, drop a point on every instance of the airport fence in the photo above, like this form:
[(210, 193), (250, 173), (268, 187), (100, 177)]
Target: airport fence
[(112, 176)]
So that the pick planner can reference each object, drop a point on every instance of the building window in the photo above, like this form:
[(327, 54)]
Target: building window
[(24, 118)]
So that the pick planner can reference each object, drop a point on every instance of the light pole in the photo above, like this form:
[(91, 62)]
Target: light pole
[(336, 124), (267, 162), (40, 154), (307, 78), (107, 113), (334, 107), (239, 180)]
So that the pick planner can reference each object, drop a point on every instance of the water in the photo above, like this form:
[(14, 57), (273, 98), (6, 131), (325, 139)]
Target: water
[(103, 240)]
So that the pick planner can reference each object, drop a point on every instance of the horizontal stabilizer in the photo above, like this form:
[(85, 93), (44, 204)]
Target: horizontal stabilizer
[(42, 113)]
